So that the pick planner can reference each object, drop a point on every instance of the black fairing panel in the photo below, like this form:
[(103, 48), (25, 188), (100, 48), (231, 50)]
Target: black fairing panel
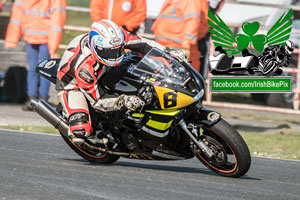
[(118, 80), (200, 83), (48, 69), (201, 115), (125, 88)]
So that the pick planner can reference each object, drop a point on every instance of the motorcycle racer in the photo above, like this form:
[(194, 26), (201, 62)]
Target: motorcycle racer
[(274, 57), (85, 60)]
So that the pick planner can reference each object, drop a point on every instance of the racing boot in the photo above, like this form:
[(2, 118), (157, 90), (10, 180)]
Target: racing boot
[(80, 127)]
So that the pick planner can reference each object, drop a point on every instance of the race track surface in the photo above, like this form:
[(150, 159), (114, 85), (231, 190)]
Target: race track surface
[(40, 166)]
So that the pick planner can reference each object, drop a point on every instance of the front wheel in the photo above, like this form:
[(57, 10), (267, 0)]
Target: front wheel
[(231, 154)]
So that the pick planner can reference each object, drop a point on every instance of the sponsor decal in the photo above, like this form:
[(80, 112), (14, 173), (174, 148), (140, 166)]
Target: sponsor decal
[(150, 80), (76, 116), (79, 132), (85, 76), (44, 73), (99, 41), (42, 64), (213, 116), (50, 64), (157, 83), (115, 41), (130, 68)]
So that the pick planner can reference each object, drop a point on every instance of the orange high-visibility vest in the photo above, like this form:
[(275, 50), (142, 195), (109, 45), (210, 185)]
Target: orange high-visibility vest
[(39, 21), (178, 23), (203, 30), (131, 13), (203, 27)]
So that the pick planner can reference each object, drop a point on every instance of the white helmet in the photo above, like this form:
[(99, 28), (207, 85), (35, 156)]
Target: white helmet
[(106, 41), (289, 46)]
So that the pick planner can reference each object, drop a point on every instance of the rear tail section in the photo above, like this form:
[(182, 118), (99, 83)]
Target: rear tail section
[(48, 69)]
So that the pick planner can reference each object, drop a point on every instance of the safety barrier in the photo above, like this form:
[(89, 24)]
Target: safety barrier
[(209, 101)]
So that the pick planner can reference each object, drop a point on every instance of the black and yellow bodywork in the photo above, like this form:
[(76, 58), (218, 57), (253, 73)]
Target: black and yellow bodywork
[(171, 99), (157, 122)]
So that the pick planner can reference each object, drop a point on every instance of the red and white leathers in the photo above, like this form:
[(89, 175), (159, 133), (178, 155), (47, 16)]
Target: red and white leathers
[(77, 80)]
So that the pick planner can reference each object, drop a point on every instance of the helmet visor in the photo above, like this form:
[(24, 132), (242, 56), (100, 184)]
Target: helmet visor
[(113, 53)]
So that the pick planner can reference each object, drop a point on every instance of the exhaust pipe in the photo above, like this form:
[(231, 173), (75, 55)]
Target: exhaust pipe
[(52, 116)]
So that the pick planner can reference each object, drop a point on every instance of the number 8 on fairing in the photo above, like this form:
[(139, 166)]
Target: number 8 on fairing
[(170, 99)]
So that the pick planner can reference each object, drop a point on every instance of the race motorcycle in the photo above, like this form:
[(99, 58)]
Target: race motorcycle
[(172, 125)]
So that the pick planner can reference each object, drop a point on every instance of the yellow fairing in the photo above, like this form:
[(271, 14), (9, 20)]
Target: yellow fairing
[(159, 125), (170, 99)]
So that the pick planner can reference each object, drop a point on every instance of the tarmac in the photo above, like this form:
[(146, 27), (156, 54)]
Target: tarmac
[(13, 115)]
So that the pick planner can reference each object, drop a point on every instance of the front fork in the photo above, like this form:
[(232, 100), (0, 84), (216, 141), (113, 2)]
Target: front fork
[(202, 146)]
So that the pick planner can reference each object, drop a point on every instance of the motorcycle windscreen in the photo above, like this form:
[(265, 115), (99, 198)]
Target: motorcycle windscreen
[(48, 69), (159, 66)]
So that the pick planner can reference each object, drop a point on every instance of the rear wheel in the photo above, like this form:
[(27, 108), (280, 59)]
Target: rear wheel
[(92, 156), (231, 155)]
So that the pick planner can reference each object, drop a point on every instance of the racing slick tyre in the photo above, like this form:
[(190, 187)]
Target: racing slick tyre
[(91, 156), (231, 154)]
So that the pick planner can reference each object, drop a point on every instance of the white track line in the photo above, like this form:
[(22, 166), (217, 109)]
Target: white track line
[(36, 133)]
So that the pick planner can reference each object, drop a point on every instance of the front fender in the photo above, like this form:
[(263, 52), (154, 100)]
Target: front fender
[(201, 115)]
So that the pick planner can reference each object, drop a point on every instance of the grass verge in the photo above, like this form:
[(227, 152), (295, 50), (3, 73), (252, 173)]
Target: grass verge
[(276, 145), (38, 129)]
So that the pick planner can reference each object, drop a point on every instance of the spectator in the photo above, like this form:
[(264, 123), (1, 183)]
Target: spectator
[(41, 25), (1, 4), (129, 14), (200, 51), (177, 24)]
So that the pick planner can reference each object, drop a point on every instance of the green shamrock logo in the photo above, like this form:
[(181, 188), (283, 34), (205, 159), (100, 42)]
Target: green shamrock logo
[(257, 41), (222, 35)]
